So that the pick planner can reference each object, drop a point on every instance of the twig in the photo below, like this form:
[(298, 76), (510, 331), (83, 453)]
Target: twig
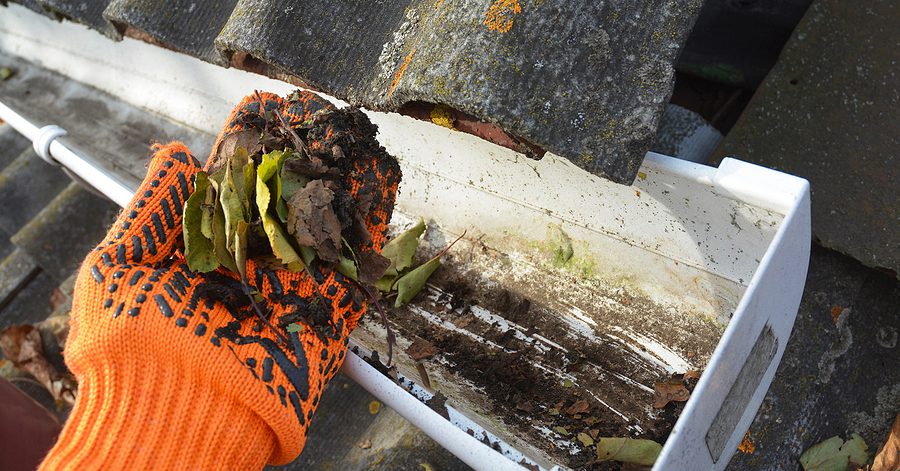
[(298, 143), (375, 299), (447, 248), (259, 313)]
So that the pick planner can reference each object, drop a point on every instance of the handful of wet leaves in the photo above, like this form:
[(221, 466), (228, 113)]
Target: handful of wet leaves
[(283, 195)]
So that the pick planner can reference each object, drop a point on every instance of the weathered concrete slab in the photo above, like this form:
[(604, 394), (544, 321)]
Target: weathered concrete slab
[(16, 269), (12, 144), (26, 186), (32, 304), (828, 112), (738, 42), (841, 360), (122, 148), (66, 230)]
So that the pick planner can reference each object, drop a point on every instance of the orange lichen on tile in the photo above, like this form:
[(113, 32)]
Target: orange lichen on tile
[(747, 445), (401, 71), (499, 16)]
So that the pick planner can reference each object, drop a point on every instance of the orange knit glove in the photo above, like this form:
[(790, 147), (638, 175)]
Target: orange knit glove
[(175, 368)]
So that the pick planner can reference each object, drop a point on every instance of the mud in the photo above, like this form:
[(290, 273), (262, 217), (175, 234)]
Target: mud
[(520, 342)]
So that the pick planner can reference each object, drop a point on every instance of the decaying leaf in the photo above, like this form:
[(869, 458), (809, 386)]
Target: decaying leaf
[(421, 349), (401, 249), (666, 392), (198, 249), (691, 374), (585, 439), (835, 454), (371, 267), (888, 456), (312, 221), (579, 407), (409, 285), (628, 450), (374, 407), (23, 346), (247, 139)]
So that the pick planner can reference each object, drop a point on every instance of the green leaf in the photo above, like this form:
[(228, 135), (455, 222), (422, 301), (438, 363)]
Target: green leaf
[(249, 174), (834, 454), (308, 254), (628, 450), (232, 206), (270, 164), (237, 163), (5, 73), (226, 259), (409, 285), (295, 327), (240, 248), (278, 240), (856, 449), (347, 268), (198, 249), (291, 182), (562, 431), (207, 208), (386, 283), (401, 249)]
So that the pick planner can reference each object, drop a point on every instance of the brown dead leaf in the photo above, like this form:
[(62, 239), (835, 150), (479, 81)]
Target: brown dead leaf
[(580, 407), (57, 299), (888, 456), (691, 374), (311, 166), (312, 221), (248, 139), (371, 267), (22, 345), (366, 444), (664, 393), (422, 349)]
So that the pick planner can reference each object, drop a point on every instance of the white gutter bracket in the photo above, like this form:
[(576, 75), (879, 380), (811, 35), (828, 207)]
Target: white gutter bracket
[(45, 137)]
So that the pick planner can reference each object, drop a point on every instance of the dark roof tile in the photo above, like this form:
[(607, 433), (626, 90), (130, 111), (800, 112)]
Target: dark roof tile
[(584, 79), (86, 12), (188, 26)]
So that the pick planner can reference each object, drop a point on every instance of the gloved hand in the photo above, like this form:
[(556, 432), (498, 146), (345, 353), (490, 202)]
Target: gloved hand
[(175, 369)]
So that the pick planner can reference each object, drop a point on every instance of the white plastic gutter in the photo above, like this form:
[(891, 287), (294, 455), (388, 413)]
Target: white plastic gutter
[(464, 446)]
